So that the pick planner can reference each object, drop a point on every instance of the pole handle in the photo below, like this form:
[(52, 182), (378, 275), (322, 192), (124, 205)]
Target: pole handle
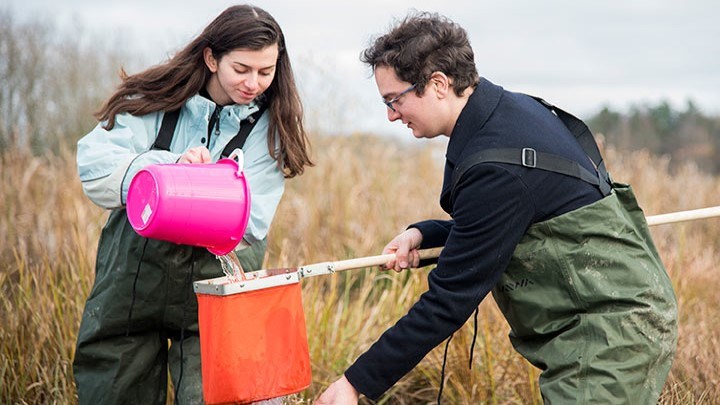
[(680, 216), (370, 261)]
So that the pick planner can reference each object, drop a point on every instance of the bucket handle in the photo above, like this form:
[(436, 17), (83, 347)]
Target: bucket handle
[(238, 156)]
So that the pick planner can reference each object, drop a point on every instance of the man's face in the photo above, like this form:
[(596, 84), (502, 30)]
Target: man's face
[(417, 112)]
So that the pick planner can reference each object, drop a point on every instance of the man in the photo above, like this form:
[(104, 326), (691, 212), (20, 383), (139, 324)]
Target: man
[(535, 219)]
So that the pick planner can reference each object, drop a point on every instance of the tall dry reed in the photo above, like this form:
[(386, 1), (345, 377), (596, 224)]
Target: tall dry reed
[(363, 191), (48, 232)]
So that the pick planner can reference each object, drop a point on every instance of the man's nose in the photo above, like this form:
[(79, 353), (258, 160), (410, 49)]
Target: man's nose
[(392, 115)]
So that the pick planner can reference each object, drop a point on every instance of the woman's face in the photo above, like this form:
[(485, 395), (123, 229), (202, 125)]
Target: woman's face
[(419, 113), (241, 75)]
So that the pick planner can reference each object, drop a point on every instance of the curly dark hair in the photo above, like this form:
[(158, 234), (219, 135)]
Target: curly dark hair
[(423, 43)]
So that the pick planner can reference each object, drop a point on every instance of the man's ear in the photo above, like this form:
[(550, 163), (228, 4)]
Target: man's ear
[(440, 83), (210, 60)]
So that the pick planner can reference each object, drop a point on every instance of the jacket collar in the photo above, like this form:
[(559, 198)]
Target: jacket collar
[(204, 107), (477, 111)]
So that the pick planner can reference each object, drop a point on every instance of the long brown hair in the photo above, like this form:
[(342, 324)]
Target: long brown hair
[(167, 86)]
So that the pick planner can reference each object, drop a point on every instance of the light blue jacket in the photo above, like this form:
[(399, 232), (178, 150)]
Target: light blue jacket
[(108, 160)]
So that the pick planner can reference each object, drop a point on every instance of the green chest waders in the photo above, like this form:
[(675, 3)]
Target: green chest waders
[(589, 303), (143, 296), (586, 295)]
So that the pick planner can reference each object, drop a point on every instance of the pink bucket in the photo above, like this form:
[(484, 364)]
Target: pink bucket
[(205, 205)]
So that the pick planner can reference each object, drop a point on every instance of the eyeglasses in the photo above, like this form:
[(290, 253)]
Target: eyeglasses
[(389, 103)]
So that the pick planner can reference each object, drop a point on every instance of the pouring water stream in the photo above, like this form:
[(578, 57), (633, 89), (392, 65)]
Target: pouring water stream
[(231, 267)]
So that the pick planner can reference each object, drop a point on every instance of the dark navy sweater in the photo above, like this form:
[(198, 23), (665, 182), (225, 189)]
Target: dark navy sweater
[(494, 205)]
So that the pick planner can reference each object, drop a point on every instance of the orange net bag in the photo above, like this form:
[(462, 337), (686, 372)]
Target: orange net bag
[(253, 344)]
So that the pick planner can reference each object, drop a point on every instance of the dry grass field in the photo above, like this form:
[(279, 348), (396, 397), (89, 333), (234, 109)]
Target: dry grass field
[(363, 191)]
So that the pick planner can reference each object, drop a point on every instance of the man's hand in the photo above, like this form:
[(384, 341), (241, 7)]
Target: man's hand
[(405, 248), (341, 392)]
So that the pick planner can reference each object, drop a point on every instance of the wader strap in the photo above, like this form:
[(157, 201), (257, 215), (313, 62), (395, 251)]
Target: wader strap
[(170, 119), (586, 140), (530, 158), (167, 130), (246, 126)]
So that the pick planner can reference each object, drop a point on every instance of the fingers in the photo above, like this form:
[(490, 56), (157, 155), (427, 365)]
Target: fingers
[(390, 264), (407, 254), (391, 248), (414, 259), (411, 260), (198, 154), (398, 246), (404, 246), (402, 258), (205, 155)]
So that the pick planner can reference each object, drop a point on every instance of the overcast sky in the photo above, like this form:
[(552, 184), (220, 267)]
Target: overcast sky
[(579, 55)]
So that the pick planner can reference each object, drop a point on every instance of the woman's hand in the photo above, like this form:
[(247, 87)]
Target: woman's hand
[(341, 392), (405, 248), (198, 154)]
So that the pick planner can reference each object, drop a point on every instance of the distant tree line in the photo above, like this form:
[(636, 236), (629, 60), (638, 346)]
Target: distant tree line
[(685, 136), (51, 83)]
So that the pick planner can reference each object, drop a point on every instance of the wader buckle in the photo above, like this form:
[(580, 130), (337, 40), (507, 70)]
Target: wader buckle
[(528, 157)]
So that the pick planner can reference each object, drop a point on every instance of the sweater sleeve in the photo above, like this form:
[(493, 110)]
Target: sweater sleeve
[(435, 233), (486, 229)]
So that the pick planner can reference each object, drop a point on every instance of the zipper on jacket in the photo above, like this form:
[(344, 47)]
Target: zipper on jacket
[(214, 122)]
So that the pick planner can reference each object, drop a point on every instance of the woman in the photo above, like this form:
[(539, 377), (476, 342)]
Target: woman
[(234, 76)]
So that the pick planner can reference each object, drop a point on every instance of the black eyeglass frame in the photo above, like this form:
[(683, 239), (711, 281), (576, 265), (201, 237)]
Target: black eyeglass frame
[(389, 103)]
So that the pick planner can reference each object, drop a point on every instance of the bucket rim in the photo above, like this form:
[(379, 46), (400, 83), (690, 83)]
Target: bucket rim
[(145, 172)]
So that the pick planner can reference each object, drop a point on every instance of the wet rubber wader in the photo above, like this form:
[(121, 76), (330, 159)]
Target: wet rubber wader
[(590, 304), (142, 296), (586, 294)]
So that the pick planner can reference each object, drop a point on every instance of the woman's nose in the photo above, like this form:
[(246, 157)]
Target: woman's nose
[(252, 81)]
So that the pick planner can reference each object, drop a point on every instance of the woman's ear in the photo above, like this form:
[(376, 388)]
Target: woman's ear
[(210, 60)]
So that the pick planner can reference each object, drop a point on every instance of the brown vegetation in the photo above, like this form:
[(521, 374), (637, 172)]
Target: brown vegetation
[(363, 191)]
